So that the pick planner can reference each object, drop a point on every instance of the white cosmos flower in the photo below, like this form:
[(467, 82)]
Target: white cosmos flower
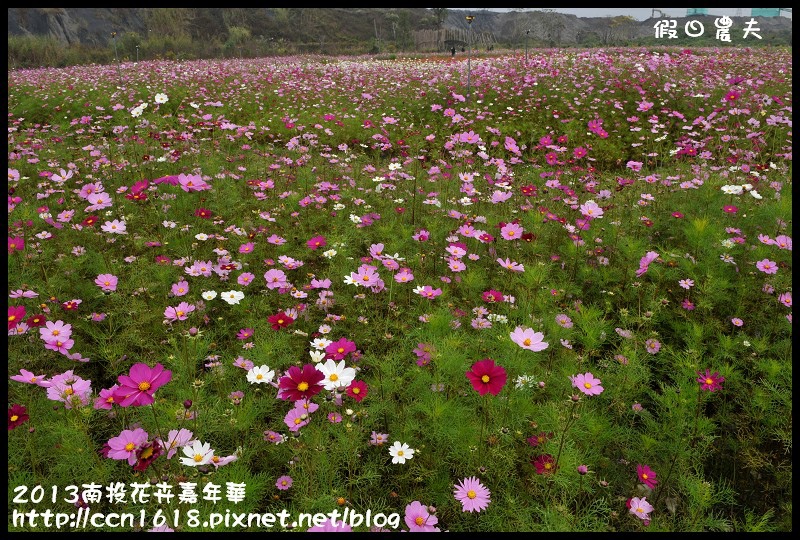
[(260, 374), (232, 297), (330, 254), (197, 454), (349, 281), (161, 98), (209, 295), (336, 375), (321, 343), (201, 236), (400, 452), (317, 356)]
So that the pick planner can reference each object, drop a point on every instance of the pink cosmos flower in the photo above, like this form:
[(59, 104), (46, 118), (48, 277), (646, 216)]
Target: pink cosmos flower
[(641, 508), (180, 288), (107, 282), (511, 231), (284, 482), (419, 519), (472, 495), (652, 345), (55, 330), (177, 438), (106, 398), (296, 418), (645, 261), (28, 377), (179, 312), (125, 445), (529, 339), (588, 384), (511, 265), (767, 266), (138, 388), (69, 389)]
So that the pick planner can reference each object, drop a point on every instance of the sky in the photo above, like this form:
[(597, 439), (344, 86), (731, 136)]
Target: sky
[(640, 14)]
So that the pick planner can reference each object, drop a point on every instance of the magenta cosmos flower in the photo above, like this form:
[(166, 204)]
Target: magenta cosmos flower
[(647, 476), (588, 384), (138, 388), (710, 381), (487, 377), (316, 242), (472, 495), (419, 519), (527, 338)]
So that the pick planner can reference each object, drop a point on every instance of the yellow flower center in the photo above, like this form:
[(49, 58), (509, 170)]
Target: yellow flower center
[(471, 494), (527, 342), (297, 421), (510, 233), (587, 385), (400, 453), (179, 313), (420, 520), (144, 386), (709, 381), (485, 378), (198, 458), (146, 453), (33, 379), (106, 283), (69, 391), (259, 376), (12, 318), (356, 390), (644, 476), (14, 418), (333, 377), (56, 332), (215, 459), (110, 399), (130, 446), (640, 510), (303, 386), (548, 466), (280, 321)]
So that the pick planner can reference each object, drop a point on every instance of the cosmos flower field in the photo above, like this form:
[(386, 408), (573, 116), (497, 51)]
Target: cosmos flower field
[(559, 299)]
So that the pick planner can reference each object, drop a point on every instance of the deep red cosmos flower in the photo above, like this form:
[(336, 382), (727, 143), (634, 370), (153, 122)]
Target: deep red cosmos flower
[(279, 320), (300, 383), (17, 414), (486, 376)]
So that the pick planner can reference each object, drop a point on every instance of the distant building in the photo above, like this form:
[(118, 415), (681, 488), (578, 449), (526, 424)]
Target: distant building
[(696, 11)]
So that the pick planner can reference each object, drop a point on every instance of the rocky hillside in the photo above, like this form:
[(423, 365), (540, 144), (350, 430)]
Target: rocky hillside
[(94, 26)]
